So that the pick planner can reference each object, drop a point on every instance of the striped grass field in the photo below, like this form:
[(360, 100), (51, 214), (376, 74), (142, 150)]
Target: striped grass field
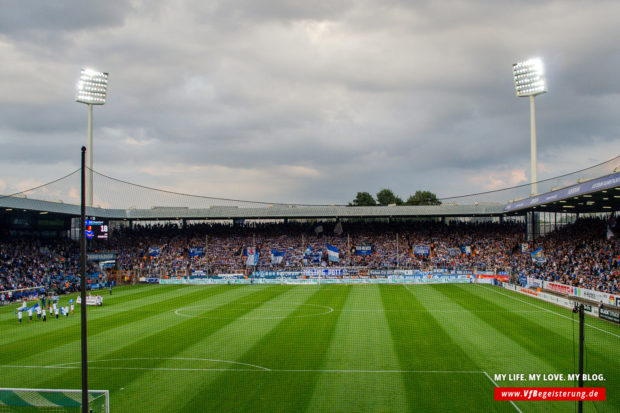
[(330, 348)]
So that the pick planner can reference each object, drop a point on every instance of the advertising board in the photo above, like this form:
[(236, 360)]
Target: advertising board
[(609, 315), (276, 273), (100, 256), (559, 288), (597, 296)]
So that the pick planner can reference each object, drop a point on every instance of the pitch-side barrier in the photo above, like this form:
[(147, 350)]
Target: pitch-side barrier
[(312, 276), (567, 301), (318, 280)]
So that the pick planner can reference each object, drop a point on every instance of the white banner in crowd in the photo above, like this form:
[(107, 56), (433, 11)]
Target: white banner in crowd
[(91, 300)]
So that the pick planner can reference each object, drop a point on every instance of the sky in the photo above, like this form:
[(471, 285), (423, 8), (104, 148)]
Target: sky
[(307, 101)]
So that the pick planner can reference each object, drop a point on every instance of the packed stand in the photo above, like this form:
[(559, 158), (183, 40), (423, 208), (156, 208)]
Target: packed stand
[(50, 265), (581, 254)]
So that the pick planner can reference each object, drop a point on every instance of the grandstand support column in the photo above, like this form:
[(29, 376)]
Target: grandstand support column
[(532, 225)]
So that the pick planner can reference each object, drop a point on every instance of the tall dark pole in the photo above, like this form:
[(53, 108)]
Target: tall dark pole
[(581, 340), (83, 288)]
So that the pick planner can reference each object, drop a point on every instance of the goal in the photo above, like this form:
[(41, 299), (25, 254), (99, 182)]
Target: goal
[(52, 401)]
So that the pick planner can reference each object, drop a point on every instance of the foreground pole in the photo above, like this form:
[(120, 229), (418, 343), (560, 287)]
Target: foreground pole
[(581, 341), (83, 289)]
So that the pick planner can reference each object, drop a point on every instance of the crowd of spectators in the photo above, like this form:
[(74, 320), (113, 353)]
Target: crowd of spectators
[(31, 266), (585, 254), (392, 245), (581, 254)]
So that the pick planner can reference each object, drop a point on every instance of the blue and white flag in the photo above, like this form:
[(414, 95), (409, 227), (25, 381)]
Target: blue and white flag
[(315, 257), (33, 308), (277, 256), (466, 249), (455, 252), (196, 251), (252, 259), (154, 251), (333, 253), (422, 250), (312, 257), (538, 256)]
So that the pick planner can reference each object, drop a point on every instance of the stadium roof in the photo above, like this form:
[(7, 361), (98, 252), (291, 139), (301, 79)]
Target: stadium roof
[(593, 195), (272, 212)]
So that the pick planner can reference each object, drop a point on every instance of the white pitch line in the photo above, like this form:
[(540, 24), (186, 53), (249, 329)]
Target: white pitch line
[(371, 371), (128, 368), (552, 312), (496, 385), (266, 370), (254, 366), (438, 311)]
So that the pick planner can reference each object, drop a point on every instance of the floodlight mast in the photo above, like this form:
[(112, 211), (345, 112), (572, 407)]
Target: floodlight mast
[(530, 81), (92, 90)]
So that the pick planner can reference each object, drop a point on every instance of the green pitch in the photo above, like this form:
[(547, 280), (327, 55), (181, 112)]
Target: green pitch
[(331, 348)]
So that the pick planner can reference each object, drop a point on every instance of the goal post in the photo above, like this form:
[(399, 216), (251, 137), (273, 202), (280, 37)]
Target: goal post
[(14, 400)]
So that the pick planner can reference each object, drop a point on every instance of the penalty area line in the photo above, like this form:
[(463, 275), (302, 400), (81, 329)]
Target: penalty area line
[(496, 385)]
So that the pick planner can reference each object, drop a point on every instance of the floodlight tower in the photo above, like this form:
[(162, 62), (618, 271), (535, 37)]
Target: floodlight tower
[(530, 81), (92, 90)]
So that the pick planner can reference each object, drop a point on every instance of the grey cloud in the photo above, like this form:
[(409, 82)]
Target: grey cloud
[(21, 18), (385, 94)]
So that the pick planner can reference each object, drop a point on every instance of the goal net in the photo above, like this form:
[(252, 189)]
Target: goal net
[(51, 401)]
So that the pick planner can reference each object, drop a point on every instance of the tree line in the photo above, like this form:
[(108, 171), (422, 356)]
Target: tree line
[(387, 197)]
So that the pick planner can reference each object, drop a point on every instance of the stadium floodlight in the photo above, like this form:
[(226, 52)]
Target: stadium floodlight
[(530, 81), (92, 89)]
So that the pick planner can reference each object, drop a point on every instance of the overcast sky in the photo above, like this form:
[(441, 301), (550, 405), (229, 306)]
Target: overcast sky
[(307, 101)]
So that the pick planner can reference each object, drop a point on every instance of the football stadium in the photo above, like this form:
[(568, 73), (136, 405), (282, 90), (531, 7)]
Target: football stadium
[(290, 308), (201, 254)]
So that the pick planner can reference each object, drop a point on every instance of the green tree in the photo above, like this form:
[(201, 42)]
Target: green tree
[(423, 198), (387, 197), (363, 199)]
